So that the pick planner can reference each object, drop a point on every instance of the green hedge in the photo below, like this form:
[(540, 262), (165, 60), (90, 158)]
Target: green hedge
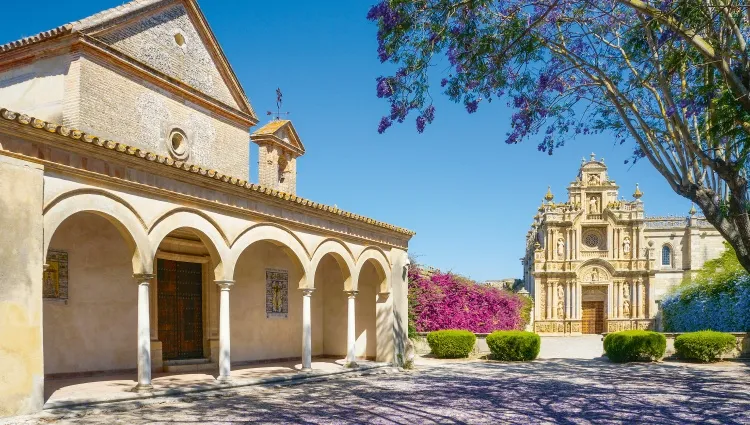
[(451, 344), (704, 346), (631, 346), (514, 345)]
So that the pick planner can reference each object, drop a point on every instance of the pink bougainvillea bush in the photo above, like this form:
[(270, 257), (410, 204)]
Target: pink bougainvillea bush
[(447, 301)]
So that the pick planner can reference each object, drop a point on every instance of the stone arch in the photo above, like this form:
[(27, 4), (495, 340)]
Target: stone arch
[(595, 270), (378, 258), (122, 215), (277, 235), (207, 230), (343, 256), (196, 212)]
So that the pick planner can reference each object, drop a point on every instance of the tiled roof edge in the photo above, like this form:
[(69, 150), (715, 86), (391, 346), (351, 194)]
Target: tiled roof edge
[(122, 148)]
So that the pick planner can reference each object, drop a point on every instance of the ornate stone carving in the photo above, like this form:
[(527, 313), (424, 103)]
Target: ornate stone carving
[(576, 327), (626, 291), (593, 205), (626, 308), (560, 309), (560, 248), (626, 245)]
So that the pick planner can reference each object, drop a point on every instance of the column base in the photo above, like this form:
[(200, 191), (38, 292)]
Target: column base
[(351, 365), (306, 370), (143, 388), (224, 379)]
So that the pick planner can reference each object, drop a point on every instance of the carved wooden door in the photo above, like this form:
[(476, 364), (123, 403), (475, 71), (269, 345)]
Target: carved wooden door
[(180, 305), (593, 317)]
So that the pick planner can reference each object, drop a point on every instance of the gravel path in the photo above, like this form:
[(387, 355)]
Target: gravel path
[(568, 391)]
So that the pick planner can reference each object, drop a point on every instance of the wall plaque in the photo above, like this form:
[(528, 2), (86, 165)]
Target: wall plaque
[(55, 284), (277, 294)]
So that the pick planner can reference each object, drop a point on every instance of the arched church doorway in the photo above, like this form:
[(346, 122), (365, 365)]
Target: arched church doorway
[(593, 306)]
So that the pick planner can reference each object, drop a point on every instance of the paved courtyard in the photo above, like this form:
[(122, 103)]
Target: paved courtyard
[(570, 391)]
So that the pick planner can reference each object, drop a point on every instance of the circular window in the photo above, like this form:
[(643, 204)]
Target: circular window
[(179, 39), (591, 240), (177, 144)]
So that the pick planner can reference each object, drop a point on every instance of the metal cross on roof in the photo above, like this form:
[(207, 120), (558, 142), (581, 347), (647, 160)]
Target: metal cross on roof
[(279, 101)]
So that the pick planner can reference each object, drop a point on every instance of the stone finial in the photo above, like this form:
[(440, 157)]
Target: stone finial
[(693, 211), (549, 196), (638, 193), (593, 156)]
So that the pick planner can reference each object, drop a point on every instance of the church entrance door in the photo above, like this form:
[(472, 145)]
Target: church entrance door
[(180, 305), (593, 317)]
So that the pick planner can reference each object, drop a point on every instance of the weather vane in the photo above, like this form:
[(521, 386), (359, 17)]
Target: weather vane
[(279, 101)]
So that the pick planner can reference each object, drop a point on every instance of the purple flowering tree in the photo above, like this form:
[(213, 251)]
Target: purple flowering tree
[(670, 77)]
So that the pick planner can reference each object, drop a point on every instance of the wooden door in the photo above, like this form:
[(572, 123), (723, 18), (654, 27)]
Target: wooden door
[(593, 317), (180, 304)]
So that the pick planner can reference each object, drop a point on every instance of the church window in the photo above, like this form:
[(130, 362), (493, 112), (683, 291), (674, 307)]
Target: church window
[(177, 144), (666, 255), (591, 240), (282, 168)]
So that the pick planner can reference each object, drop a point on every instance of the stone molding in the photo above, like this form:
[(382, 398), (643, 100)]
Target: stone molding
[(190, 173)]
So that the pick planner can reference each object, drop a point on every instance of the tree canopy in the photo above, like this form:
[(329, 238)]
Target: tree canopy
[(669, 77)]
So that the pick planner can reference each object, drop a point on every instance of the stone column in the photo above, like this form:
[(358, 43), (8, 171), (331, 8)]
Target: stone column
[(549, 301), (144, 332), (618, 300), (225, 362), (306, 330), (351, 336), (568, 299)]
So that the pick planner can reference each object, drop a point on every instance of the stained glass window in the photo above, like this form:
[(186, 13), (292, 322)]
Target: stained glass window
[(666, 255)]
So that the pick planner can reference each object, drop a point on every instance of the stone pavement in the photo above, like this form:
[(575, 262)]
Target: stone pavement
[(569, 391), (111, 388), (571, 347)]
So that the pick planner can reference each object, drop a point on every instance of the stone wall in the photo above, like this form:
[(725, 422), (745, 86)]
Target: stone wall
[(114, 106), (270, 173), (21, 361), (152, 40), (37, 89)]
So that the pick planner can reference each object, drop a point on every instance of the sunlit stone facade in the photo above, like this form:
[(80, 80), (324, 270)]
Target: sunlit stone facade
[(596, 263)]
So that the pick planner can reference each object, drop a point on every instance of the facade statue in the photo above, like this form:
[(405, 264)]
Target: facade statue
[(626, 246), (560, 292), (626, 308), (560, 310), (595, 275), (560, 248), (594, 179), (626, 290), (593, 205)]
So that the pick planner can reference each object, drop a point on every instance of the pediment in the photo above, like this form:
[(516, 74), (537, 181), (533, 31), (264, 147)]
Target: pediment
[(173, 38), (282, 133)]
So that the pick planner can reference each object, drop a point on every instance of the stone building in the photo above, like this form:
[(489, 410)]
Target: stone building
[(130, 226), (596, 263)]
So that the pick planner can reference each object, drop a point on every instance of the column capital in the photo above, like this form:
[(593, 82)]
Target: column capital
[(307, 291), (143, 277), (225, 284), (351, 294)]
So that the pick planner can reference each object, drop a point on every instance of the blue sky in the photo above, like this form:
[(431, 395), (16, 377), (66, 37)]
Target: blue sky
[(468, 195)]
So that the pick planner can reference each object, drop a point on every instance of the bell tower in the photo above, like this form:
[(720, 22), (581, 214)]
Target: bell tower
[(279, 146)]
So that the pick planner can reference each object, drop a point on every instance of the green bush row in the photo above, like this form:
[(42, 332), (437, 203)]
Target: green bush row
[(451, 343), (637, 345), (514, 345), (704, 346)]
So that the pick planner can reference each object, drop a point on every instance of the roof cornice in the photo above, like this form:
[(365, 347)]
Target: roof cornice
[(16, 124)]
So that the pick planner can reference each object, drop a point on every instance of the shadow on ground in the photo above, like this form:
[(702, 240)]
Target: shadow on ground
[(566, 391)]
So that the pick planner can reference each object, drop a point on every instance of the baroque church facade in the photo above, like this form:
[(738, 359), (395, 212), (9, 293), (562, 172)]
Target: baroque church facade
[(596, 263), (130, 225)]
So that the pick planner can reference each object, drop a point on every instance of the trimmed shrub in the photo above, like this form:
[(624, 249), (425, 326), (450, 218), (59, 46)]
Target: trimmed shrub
[(704, 346), (451, 343), (636, 345), (514, 345)]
